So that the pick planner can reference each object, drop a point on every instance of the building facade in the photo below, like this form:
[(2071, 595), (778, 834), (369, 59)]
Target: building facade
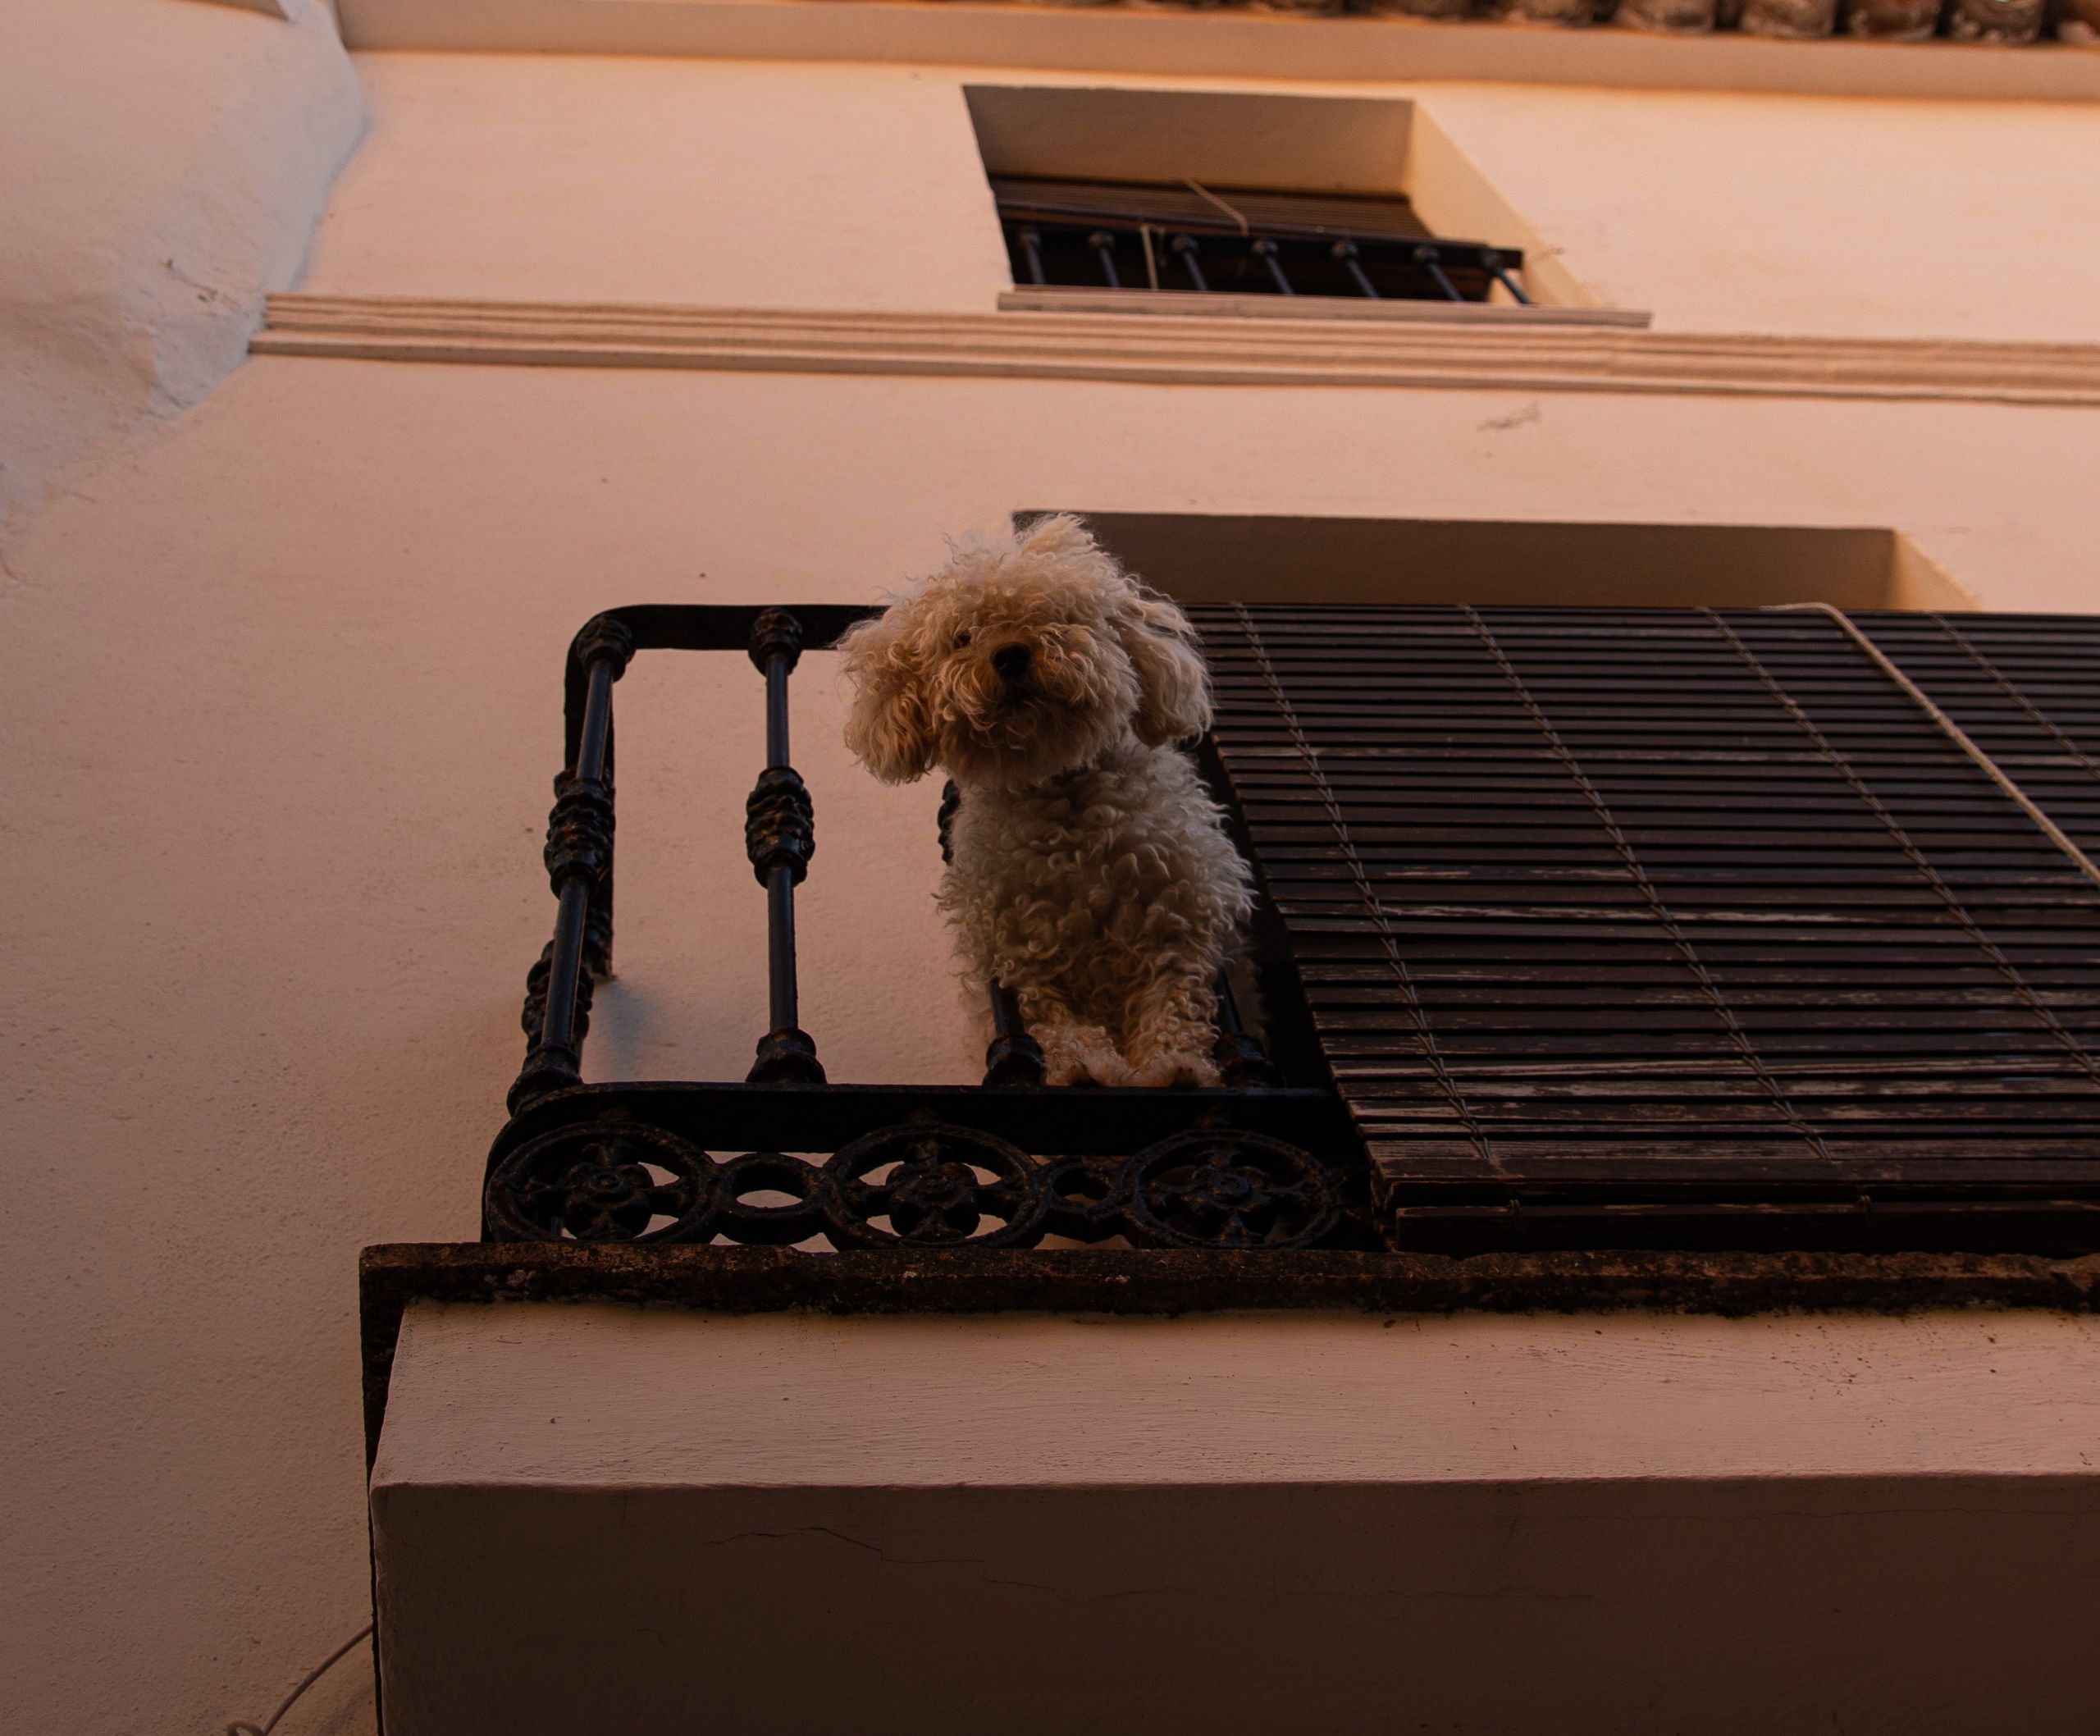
[(357, 358)]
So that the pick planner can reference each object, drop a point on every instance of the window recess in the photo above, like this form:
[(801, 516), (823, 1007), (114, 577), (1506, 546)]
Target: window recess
[(1686, 928), (1195, 239)]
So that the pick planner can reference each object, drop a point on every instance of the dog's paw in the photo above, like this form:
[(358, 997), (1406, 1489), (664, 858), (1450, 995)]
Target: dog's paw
[(1082, 1055), (1088, 1070), (1175, 1068)]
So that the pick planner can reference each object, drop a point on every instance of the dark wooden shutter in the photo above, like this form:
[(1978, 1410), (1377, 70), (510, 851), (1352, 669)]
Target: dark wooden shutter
[(1625, 926), (1178, 206), (1129, 234)]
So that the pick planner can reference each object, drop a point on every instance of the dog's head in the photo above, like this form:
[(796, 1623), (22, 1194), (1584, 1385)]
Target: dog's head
[(1021, 659)]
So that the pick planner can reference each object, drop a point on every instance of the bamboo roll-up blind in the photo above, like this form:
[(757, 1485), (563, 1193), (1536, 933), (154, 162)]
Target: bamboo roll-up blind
[(1679, 926)]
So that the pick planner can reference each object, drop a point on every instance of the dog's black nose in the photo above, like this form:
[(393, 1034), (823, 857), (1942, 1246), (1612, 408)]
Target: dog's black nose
[(1011, 661)]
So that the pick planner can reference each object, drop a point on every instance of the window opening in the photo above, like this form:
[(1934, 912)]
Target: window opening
[(1193, 237)]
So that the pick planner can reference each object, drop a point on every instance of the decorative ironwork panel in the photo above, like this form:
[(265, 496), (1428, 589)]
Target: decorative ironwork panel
[(955, 1167)]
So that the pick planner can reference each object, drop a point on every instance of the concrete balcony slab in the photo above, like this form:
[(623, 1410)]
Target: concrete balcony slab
[(588, 1517)]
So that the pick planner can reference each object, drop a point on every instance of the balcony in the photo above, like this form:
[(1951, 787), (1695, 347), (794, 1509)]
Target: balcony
[(1667, 966)]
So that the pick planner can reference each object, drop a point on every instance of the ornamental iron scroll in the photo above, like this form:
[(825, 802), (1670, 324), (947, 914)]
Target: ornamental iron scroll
[(1217, 1187), (926, 1184), (606, 1180), (922, 1184)]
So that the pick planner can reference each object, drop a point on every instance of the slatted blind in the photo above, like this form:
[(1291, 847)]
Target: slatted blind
[(1177, 205), (1686, 926)]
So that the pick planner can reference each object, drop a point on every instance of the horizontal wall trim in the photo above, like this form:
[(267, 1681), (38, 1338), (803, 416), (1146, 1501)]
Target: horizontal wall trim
[(1228, 43), (1168, 349)]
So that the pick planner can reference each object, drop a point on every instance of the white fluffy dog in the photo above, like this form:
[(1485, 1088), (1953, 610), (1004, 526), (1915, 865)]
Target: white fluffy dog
[(1091, 874)]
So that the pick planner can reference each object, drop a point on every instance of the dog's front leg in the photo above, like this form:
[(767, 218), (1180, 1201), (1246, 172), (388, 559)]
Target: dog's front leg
[(1172, 1026), (1074, 1052)]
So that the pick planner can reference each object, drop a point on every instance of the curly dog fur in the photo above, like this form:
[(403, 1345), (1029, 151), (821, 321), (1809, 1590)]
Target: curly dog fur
[(1091, 874)]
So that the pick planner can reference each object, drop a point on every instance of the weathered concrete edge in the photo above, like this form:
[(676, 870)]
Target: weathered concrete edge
[(1160, 1281)]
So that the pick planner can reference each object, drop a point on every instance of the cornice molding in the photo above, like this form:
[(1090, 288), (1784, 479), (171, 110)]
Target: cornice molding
[(1224, 42), (1157, 348)]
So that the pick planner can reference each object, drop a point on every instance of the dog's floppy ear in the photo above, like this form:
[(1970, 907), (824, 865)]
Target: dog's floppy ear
[(1174, 688), (888, 728)]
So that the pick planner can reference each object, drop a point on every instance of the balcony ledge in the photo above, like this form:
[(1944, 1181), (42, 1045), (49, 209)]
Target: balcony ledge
[(1172, 1282), (1307, 1503)]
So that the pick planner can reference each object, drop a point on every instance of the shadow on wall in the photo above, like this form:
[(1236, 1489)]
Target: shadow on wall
[(1200, 557)]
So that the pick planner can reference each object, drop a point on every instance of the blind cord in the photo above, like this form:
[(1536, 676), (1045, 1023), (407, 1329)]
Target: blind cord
[(1956, 734), (1919, 859), (242, 1727), (1204, 193)]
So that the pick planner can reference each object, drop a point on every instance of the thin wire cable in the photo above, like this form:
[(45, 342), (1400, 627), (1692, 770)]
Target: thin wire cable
[(1918, 860), (1746, 1050), (241, 1727), (1425, 1038), (1955, 733)]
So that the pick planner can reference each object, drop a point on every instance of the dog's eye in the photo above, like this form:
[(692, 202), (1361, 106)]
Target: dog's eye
[(962, 638)]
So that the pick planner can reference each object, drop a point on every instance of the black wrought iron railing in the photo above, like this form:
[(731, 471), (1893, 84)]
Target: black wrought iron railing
[(787, 1156), (1195, 239)]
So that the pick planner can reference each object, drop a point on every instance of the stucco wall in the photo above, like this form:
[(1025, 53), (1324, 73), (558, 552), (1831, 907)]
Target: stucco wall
[(545, 178), (165, 163), (282, 759), (284, 692)]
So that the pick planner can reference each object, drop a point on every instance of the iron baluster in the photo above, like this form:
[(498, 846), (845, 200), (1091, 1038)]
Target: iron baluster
[(579, 860), (1346, 252), (1031, 246), (1266, 251), (1104, 244), (1184, 247), (1431, 261), (1240, 1055), (1013, 1058), (1493, 261), (779, 837)]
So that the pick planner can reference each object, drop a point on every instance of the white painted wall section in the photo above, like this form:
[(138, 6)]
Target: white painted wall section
[(165, 164)]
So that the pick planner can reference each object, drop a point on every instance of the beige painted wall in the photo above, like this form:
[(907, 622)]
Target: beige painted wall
[(163, 165), (282, 757), (753, 183), (283, 706)]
